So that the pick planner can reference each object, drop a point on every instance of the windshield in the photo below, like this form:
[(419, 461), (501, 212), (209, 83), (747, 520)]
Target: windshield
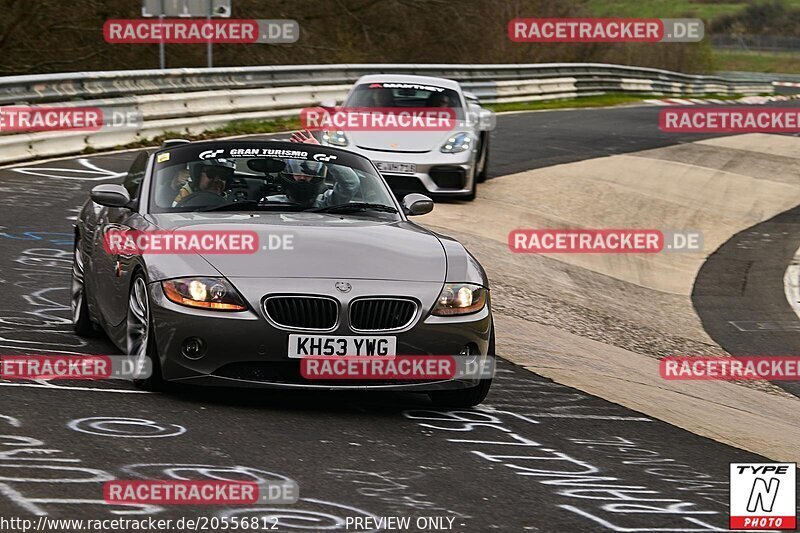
[(235, 183), (404, 95)]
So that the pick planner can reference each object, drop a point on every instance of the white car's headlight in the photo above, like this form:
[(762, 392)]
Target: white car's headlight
[(460, 299), (460, 142), (206, 293), (335, 138)]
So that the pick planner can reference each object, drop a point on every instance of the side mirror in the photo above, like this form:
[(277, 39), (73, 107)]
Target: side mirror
[(417, 204), (471, 96), (110, 195)]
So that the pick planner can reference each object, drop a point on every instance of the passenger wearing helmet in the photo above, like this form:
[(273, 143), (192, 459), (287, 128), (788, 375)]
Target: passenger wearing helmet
[(211, 175), (304, 183)]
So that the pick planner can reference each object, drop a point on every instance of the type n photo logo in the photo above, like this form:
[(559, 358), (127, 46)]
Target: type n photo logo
[(763, 496)]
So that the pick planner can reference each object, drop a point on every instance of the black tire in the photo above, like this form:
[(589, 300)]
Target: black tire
[(483, 172), (134, 322), (465, 397), (82, 321)]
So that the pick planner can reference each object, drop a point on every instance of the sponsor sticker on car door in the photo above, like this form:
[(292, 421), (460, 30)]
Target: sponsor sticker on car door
[(315, 345)]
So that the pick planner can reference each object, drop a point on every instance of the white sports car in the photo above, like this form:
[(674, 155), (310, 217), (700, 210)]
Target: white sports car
[(436, 163)]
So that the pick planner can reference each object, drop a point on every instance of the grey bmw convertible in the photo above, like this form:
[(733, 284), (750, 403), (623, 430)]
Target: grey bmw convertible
[(317, 258)]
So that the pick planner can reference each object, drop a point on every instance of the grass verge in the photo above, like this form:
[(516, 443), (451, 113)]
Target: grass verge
[(777, 62)]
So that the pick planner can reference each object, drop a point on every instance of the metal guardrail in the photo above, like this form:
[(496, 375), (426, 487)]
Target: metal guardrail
[(773, 76), (193, 100), (92, 85)]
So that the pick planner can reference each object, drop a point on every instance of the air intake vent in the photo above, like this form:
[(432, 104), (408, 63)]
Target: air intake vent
[(381, 314), (302, 312)]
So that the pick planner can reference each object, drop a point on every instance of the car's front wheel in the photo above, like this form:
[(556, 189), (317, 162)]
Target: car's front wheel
[(82, 321), (465, 397), (140, 338)]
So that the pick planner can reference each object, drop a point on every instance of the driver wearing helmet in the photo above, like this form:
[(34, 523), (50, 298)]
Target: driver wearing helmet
[(304, 181), (210, 175), (304, 184)]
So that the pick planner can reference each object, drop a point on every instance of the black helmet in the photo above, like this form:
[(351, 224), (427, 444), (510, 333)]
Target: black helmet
[(305, 191)]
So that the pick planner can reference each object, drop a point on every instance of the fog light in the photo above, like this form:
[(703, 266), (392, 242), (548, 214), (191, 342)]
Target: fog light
[(193, 348), (470, 353)]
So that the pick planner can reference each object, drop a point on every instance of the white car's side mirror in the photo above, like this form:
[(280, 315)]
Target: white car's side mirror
[(417, 204)]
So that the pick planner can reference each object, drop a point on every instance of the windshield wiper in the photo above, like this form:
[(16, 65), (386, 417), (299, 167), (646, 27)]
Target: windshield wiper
[(250, 204), (354, 206)]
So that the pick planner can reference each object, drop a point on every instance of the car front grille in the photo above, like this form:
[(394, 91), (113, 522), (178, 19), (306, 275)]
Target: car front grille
[(302, 312), (381, 314)]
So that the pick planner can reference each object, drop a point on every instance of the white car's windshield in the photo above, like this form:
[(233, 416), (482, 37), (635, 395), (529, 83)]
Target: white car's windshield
[(404, 95)]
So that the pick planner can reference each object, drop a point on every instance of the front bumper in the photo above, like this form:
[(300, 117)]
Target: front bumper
[(436, 174), (245, 349)]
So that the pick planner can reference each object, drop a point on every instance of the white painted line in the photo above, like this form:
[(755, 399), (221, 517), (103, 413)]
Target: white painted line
[(590, 417), (82, 389), (764, 325), (28, 348)]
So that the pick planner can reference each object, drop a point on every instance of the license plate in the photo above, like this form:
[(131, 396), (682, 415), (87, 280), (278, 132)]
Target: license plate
[(403, 168), (311, 346)]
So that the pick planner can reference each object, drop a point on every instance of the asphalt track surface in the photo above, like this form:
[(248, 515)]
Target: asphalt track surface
[(739, 292), (536, 456)]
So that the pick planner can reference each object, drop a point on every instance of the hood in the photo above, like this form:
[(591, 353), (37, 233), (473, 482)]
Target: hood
[(401, 141), (322, 246)]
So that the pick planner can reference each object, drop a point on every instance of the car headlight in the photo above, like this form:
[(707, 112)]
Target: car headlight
[(460, 142), (335, 138), (460, 299), (205, 293)]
